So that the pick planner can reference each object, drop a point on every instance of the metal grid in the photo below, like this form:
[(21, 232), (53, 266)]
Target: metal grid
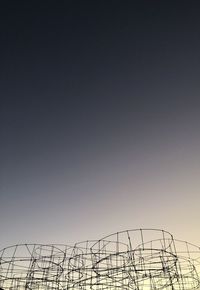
[(139, 259)]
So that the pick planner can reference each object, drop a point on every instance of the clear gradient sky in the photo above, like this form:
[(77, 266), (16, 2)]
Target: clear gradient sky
[(99, 119)]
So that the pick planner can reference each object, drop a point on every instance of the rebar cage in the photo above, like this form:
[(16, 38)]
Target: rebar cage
[(138, 259)]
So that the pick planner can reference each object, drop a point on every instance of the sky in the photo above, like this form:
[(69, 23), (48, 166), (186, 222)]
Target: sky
[(99, 119)]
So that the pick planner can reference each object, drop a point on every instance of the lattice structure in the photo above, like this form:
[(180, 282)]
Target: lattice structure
[(140, 259)]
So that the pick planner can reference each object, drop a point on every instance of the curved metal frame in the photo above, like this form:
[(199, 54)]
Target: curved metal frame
[(138, 259)]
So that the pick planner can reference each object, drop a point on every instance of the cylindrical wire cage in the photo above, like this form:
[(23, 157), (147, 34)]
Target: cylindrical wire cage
[(138, 259)]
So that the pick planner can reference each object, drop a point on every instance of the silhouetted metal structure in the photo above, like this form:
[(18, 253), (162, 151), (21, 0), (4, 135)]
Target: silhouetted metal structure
[(134, 259)]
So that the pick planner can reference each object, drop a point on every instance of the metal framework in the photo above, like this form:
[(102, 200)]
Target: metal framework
[(139, 259)]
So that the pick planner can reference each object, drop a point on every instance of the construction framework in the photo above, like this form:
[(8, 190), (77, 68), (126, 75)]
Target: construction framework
[(138, 259)]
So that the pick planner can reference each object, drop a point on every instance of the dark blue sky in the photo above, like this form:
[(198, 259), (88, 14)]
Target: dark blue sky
[(99, 118)]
